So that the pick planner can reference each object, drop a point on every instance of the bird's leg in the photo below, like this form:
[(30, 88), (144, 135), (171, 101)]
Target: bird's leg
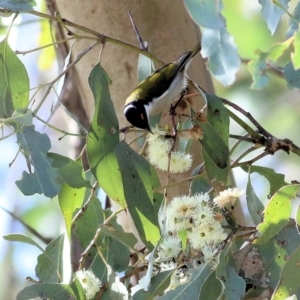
[(125, 129), (173, 111), (173, 107), (174, 127)]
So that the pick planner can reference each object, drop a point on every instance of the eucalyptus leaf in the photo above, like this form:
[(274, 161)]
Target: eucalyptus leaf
[(294, 21), (88, 223), (19, 117), (257, 69), (218, 117), (127, 239), (17, 237), (292, 76), (296, 55), (276, 251), (18, 5), (159, 283), (223, 59), (277, 213), (233, 285), (289, 283), (43, 180), (255, 206), (102, 138), (144, 67), (70, 199), (14, 86), (201, 183), (214, 145), (211, 288), (192, 289), (272, 12), (50, 263), (137, 180), (276, 180), (70, 171), (53, 291), (206, 13)]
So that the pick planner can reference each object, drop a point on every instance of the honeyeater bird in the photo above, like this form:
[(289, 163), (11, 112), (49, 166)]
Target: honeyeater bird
[(158, 90)]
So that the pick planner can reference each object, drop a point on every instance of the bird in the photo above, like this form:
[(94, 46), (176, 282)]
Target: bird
[(158, 91)]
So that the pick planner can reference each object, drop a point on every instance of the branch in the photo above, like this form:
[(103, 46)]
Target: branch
[(261, 137)]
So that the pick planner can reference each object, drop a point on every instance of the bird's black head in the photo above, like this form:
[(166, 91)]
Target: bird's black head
[(136, 115)]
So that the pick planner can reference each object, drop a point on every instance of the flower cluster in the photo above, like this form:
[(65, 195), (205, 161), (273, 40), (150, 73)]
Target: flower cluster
[(193, 215), (90, 283), (228, 197), (160, 155), (196, 216)]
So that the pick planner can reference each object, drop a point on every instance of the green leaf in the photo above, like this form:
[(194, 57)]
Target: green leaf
[(117, 289), (276, 180), (14, 86), (102, 137), (200, 184), (50, 264), (205, 13), (127, 239), (297, 219), (214, 145), (70, 199), (43, 180), (159, 283), (292, 76), (233, 285), (276, 251), (20, 118), (272, 12), (17, 5), (184, 144), (223, 60), (70, 171), (88, 223), (192, 289), (144, 67), (17, 237), (257, 69), (255, 206), (289, 283), (218, 117), (296, 55), (277, 213), (294, 21), (118, 244), (53, 291), (137, 182), (211, 288), (277, 50), (115, 253)]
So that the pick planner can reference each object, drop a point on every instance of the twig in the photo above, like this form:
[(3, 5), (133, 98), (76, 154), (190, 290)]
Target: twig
[(50, 85), (138, 36), (57, 129), (251, 161), (94, 240), (244, 154), (101, 37), (260, 129), (175, 183)]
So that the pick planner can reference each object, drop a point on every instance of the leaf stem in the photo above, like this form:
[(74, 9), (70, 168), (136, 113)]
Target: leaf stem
[(57, 129)]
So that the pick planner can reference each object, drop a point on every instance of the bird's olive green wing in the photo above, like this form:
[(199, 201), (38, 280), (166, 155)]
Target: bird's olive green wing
[(159, 81)]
